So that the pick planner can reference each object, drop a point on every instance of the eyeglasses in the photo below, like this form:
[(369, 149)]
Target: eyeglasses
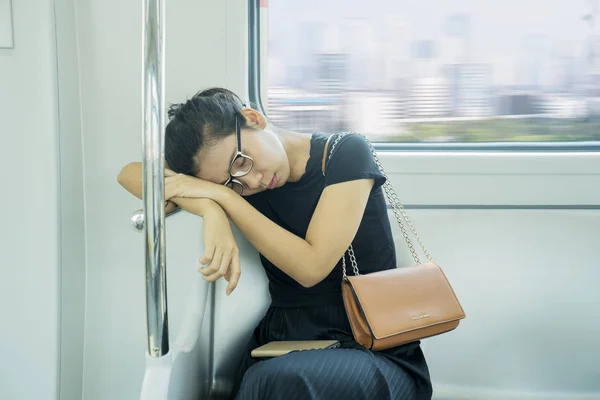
[(240, 166)]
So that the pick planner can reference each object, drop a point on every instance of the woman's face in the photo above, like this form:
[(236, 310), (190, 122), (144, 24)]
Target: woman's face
[(271, 167)]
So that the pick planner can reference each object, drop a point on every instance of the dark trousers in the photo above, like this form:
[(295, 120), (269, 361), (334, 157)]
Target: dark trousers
[(327, 375)]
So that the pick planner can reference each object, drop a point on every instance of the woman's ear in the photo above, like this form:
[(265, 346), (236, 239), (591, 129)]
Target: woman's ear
[(254, 118)]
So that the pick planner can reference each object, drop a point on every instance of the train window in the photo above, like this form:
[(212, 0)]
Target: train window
[(433, 71)]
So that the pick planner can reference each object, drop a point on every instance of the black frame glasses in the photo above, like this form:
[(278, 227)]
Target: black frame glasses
[(240, 166)]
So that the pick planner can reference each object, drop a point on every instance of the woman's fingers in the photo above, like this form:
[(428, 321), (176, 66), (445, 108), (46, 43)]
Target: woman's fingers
[(222, 259), (225, 261), (214, 264), (234, 271), (209, 252), (170, 188)]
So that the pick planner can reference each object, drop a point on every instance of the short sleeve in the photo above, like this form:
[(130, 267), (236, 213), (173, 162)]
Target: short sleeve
[(351, 160)]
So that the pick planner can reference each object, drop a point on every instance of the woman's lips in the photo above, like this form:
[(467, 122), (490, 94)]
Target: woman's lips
[(273, 182)]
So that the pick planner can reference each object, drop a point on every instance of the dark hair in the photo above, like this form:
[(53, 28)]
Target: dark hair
[(198, 122)]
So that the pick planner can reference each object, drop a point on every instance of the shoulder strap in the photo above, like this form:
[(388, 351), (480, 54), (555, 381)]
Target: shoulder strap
[(325, 154), (397, 207)]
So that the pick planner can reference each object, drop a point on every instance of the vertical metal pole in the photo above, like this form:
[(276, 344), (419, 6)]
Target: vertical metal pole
[(254, 49), (153, 176)]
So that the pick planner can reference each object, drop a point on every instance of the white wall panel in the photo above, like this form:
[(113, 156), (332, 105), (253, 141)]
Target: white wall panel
[(30, 201), (199, 54), (528, 281)]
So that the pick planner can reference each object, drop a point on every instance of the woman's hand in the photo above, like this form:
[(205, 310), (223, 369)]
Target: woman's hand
[(180, 185), (221, 252)]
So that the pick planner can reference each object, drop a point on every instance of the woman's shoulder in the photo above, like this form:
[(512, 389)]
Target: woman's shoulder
[(313, 164), (317, 144), (350, 157), (349, 142)]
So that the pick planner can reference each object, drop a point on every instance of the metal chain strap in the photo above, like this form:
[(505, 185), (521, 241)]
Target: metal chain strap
[(352, 260), (397, 208)]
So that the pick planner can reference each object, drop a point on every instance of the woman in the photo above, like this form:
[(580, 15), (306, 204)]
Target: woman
[(226, 161)]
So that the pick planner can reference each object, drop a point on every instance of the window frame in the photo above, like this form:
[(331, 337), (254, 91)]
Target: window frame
[(254, 93)]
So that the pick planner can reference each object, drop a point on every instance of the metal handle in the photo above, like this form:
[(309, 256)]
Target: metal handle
[(153, 176), (137, 219)]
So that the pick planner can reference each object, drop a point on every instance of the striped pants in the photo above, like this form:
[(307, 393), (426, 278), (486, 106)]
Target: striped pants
[(332, 374)]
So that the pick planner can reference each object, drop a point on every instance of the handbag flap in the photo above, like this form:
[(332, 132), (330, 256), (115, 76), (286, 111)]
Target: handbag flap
[(406, 298)]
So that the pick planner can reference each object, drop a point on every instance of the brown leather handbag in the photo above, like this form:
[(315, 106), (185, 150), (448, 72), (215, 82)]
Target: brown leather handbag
[(402, 305)]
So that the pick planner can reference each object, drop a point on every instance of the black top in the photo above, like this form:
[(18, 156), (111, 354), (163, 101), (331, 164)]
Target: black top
[(317, 313), (293, 205)]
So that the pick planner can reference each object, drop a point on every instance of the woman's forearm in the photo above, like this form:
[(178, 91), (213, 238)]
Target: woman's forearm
[(194, 205), (130, 178), (290, 253), (306, 260)]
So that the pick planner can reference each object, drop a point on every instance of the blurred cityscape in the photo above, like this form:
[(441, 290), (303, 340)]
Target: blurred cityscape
[(377, 76)]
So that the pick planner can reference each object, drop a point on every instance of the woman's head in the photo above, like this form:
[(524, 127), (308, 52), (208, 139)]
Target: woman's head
[(200, 140)]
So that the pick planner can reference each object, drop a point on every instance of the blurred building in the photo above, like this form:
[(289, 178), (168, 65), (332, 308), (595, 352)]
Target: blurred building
[(306, 112), (430, 97), (470, 88), (517, 102), (563, 106), (374, 113), (331, 73)]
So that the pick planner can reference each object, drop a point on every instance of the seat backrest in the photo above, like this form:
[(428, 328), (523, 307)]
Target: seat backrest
[(208, 330), (233, 319)]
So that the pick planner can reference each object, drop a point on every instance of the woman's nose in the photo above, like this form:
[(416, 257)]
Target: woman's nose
[(252, 180)]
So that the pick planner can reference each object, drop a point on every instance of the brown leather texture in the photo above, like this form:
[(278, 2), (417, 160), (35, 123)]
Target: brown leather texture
[(398, 306), (393, 307)]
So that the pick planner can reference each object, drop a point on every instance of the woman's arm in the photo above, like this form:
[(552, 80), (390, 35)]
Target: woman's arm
[(330, 232), (130, 178), (308, 261), (220, 250)]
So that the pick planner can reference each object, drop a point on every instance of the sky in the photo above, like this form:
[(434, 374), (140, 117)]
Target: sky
[(496, 21), (497, 28)]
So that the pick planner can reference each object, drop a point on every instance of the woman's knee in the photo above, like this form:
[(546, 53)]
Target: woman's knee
[(340, 373), (275, 379)]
